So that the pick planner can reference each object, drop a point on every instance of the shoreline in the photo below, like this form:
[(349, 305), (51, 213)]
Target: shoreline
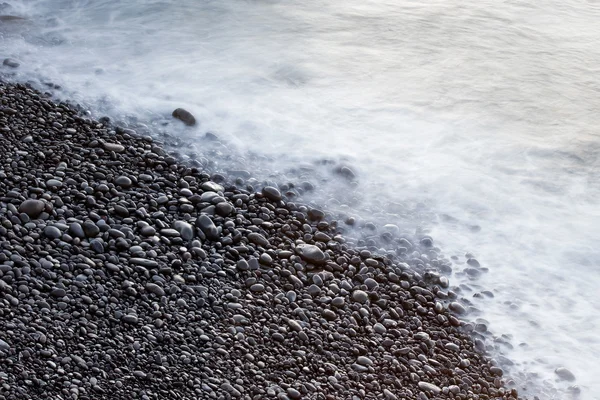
[(135, 274)]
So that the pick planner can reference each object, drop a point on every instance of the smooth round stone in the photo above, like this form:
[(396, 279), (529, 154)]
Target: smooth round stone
[(11, 62), (117, 148), (457, 308), (207, 226), (329, 315), (97, 245), (52, 232), (130, 319), (53, 183), (211, 187), (295, 325), (76, 230), (4, 346), (311, 253), (564, 374), (338, 302), (258, 239), (379, 328), (257, 287), (271, 193), (293, 393), (314, 290), (33, 208), (144, 262), (170, 232), (123, 181), (90, 229), (184, 116), (452, 347), (185, 230), (371, 283), (242, 265), (223, 209), (147, 231), (429, 387), (154, 288), (366, 361), (360, 296)]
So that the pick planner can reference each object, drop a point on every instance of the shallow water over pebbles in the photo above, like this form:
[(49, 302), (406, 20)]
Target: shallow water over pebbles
[(473, 122)]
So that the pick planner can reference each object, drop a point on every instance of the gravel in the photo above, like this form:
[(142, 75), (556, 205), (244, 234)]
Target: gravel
[(118, 281)]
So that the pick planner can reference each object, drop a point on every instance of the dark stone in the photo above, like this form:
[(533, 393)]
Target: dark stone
[(271, 193), (207, 226), (33, 208), (185, 116), (10, 62), (52, 232)]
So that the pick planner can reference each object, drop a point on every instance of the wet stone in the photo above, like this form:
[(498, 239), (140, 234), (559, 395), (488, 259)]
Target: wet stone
[(457, 308), (147, 231), (144, 262), (76, 230), (258, 239), (4, 346), (130, 319), (117, 148), (429, 387), (185, 230), (271, 193), (185, 116), (11, 62), (33, 208), (123, 181), (53, 183), (564, 374), (360, 296), (208, 227), (52, 232), (311, 253), (154, 288)]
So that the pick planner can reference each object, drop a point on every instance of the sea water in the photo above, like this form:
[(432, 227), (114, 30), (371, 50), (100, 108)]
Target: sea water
[(477, 122)]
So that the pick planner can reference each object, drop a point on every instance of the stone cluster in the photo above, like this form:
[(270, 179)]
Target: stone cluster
[(126, 274)]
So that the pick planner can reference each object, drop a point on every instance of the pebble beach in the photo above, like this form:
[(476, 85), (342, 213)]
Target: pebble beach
[(127, 274)]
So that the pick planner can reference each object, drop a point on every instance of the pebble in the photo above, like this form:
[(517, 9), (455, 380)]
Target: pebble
[(271, 193), (208, 227), (123, 181), (311, 253), (52, 232), (33, 208), (130, 319), (185, 230), (258, 239), (143, 262), (117, 148), (360, 296), (154, 288), (429, 387), (457, 308), (564, 374), (11, 62), (53, 183), (185, 116), (362, 360), (295, 325)]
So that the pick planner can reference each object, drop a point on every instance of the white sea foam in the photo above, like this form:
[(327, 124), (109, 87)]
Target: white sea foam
[(485, 113)]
